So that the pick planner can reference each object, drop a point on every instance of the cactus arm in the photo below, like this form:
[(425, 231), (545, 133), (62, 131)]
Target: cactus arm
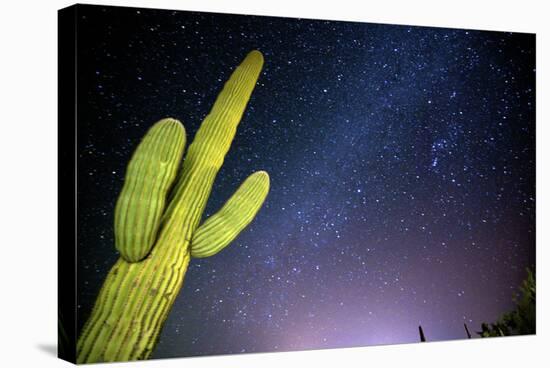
[(223, 227), (148, 178)]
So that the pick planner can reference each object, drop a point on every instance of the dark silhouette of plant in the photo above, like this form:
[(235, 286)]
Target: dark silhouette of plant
[(421, 332), (522, 320), (467, 331)]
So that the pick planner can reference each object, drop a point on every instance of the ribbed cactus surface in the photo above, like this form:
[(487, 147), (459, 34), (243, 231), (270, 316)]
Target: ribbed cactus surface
[(157, 241), (221, 228), (149, 176)]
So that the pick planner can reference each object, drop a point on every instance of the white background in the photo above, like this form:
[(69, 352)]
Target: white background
[(28, 180)]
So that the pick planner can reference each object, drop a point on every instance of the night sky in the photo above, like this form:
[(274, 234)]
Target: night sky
[(402, 164)]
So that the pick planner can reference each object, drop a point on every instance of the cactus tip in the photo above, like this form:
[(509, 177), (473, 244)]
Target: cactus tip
[(255, 54), (264, 175)]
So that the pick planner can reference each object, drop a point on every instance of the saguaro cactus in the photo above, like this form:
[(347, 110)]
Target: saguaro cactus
[(156, 239)]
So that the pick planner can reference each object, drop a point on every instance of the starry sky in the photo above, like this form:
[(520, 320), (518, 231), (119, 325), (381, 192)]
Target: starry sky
[(402, 164)]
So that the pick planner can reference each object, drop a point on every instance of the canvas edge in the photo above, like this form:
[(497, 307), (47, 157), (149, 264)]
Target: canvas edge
[(66, 174)]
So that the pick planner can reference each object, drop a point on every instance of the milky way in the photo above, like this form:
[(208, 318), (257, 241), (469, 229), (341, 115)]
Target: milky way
[(402, 164)]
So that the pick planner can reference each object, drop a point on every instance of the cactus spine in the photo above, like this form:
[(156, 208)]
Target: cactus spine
[(156, 243)]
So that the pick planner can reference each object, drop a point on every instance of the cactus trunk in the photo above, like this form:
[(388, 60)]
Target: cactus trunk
[(142, 286), (132, 306)]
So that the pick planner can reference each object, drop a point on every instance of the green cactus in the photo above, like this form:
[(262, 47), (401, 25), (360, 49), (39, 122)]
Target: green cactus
[(149, 176), (156, 241)]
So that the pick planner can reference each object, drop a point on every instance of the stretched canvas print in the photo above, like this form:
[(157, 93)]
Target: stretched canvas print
[(237, 184)]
